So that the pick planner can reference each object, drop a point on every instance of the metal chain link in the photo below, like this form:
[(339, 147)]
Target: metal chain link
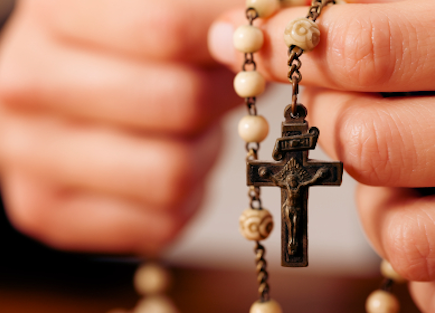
[(294, 75), (294, 63), (317, 7), (262, 274)]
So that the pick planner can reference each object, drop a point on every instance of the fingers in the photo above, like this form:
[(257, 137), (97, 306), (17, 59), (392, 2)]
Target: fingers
[(82, 221), (400, 225), (423, 295), (158, 171), (158, 29), (99, 87), (381, 141), (364, 47)]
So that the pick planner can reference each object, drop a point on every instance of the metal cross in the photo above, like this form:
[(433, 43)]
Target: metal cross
[(294, 172)]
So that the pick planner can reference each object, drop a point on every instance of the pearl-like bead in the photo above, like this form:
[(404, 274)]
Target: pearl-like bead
[(249, 84), (381, 301), (253, 128), (264, 8), (255, 224), (270, 306), (248, 39), (151, 279), (155, 305), (303, 33), (388, 271)]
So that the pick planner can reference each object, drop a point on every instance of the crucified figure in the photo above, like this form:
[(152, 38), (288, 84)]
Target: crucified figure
[(293, 177)]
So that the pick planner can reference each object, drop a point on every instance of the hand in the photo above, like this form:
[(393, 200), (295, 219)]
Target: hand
[(108, 120), (387, 144)]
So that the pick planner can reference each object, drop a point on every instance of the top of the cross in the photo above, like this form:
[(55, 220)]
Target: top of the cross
[(298, 118)]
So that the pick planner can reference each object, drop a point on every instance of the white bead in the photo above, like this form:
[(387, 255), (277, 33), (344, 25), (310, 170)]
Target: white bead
[(253, 128), (381, 301), (255, 224), (249, 84), (248, 39), (155, 305), (264, 8), (388, 271), (151, 279), (303, 33), (270, 306)]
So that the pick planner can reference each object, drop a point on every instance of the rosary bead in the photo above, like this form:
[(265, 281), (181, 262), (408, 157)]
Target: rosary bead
[(381, 301), (155, 305), (256, 224), (303, 33), (249, 84), (388, 272), (270, 306), (264, 8), (151, 279), (253, 128), (248, 39)]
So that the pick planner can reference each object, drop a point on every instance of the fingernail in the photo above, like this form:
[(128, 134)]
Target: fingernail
[(220, 42)]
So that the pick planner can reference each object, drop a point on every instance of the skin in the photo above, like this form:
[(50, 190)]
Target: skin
[(385, 143), (109, 120)]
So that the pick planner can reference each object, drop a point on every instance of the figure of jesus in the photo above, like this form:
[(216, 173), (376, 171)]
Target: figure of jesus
[(293, 178)]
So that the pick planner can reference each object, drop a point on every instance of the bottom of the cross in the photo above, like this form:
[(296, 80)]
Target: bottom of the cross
[(294, 255)]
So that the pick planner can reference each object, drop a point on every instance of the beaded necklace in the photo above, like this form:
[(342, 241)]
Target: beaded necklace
[(292, 171)]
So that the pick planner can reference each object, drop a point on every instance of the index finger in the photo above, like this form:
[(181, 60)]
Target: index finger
[(363, 47)]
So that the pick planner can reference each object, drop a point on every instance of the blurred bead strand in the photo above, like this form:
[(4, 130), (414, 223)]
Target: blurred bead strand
[(382, 300), (256, 223), (152, 281)]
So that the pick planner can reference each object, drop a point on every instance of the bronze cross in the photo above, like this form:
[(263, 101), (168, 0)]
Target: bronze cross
[(294, 172)]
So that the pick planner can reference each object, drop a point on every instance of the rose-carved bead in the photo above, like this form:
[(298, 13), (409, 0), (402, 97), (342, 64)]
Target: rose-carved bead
[(256, 224), (303, 33)]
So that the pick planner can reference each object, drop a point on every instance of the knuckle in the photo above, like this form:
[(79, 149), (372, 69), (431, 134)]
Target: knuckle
[(366, 153), (177, 176), (188, 111), (361, 51)]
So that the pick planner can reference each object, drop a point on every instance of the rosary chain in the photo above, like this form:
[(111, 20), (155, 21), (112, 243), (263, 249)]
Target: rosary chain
[(317, 7), (387, 285), (255, 192), (262, 274), (294, 75)]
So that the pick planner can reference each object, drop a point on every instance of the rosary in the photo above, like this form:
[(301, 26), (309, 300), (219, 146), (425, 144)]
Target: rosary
[(291, 170)]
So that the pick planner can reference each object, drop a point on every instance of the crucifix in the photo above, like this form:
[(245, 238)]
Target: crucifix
[(294, 172)]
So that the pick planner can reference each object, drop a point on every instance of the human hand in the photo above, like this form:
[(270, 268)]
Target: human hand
[(108, 122), (385, 143)]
